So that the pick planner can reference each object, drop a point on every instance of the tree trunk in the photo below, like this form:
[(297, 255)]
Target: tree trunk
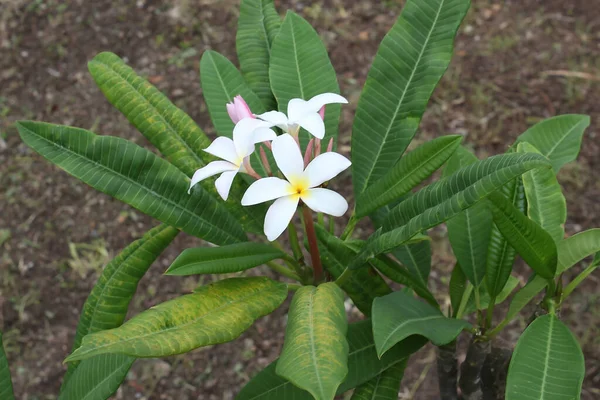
[(447, 367), (494, 373), (470, 370)]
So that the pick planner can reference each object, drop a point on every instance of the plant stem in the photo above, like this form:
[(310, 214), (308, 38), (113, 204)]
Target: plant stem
[(283, 270), (447, 367), (478, 306), (490, 312), (293, 287), (464, 301), (295, 243), (311, 236), (470, 381), (331, 225), (350, 227)]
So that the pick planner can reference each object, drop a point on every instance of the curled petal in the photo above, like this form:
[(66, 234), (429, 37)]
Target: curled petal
[(287, 156), (266, 189), (279, 216), (313, 124), (325, 167), (213, 168), (224, 182), (224, 148), (325, 201), (264, 135), (244, 135), (297, 109), (321, 100), (276, 118)]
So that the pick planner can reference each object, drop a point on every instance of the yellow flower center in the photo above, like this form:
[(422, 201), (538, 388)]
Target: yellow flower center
[(299, 185)]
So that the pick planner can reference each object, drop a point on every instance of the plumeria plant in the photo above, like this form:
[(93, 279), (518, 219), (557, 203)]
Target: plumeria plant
[(277, 122)]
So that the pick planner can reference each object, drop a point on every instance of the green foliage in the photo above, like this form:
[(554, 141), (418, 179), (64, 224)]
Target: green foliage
[(416, 257), (547, 363), (384, 386), (399, 315), (216, 313), (315, 352), (456, 288), (576, 248), (135, 176), (409, 63), (484, 297), (407, 173), (257, 27), (223, 259), (6, 388)]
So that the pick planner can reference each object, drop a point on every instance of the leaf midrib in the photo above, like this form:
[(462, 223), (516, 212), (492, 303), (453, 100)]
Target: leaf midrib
[(92, 390), (300, 84), (547, 356), (562, 139)]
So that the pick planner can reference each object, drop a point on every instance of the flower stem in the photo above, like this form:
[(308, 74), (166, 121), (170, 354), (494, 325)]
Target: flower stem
[(283, 270), (312, 244), (350, 227)]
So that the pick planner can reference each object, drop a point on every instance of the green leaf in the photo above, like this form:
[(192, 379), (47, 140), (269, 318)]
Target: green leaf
[(6, 388), (106, 307), (407, 173), (484, 297), (214, 314), (384, 386), (363, 365), (363, 285), (522, 298), (581, 277), (446, 198), (300, 68), (410, 61), (576, 248), (547, 363), (501, 255), (223, 259), (399, 315), (532, 242), (558, 139), (257, 26), (417, 259), (546, 204), (315, 352), (456, 289), (135, 176)]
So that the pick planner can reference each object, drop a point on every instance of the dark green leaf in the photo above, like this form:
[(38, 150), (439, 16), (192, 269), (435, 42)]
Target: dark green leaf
[(384, 386), (457, 286), (6, 388)]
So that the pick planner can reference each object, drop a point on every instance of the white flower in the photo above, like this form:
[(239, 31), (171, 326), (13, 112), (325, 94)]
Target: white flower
[(306, 114), (300, 184), (234, 152)]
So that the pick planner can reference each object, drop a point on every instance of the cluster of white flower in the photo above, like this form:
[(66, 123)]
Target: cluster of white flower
[(301, 177)]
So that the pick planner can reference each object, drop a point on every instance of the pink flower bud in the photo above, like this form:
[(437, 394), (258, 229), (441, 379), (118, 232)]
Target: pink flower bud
[(330, 145), (239, 109)]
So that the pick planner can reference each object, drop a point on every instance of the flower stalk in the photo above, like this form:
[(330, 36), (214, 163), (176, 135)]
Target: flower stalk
[(313, 245)]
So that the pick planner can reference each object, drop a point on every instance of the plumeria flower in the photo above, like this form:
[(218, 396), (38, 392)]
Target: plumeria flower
[(300, 184), (304, 114), (239, 109), (234, 154)]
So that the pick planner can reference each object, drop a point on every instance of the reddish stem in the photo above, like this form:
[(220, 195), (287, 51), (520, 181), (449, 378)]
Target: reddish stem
[(312, 244)]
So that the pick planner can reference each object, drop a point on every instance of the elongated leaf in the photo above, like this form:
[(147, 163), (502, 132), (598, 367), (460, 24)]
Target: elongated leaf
[(409, 63), (6, 388), (546, 204), (399, 315), (300, 68), (384, 386), (223, 259), (446, 198), (364, 285), (409, 172), (135, 176), (581, 277), (168, 128), (547, 363), (522, 298), (363, 365), (533, 243), (501, 255), (315, 352), (215, 313), (257, 27), (456, 288), (484, 297), (106, 308), (576, 248), (559, 138)]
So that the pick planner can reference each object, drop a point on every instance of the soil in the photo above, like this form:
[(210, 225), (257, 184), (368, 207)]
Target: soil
[(56, 233)]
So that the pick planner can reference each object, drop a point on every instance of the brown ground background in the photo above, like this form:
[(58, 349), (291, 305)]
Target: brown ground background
[(57, 233)]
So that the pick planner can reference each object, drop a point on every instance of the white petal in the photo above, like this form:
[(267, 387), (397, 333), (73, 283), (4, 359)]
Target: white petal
[(264, 135), (279, 216), (276, 118), (223, 183), (314, 124), (288, 157), (213, 168), (325, 167), (325, 201), (297, 109), (266, 189), (224, 148), (320, 100), (243, 135)]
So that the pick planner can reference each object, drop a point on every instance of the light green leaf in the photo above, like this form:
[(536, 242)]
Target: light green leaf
[(6, 388), (135, 176), (532, 242), (558, 139), (315, 352), (300, 68), (106, 308), (223, 259), (484, 297), (576, 248), (399, 315), (581, 277), (456, 288), (409, 63), (363, 285), (384, 386), (521, 299), (257, 27), (547, 363), (407, 173), (546, 204), (501, 255), (446, 198), (216, 313), (363, 365)]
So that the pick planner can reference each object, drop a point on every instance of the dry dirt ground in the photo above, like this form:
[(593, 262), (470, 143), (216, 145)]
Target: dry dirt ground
[(57, 233)]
